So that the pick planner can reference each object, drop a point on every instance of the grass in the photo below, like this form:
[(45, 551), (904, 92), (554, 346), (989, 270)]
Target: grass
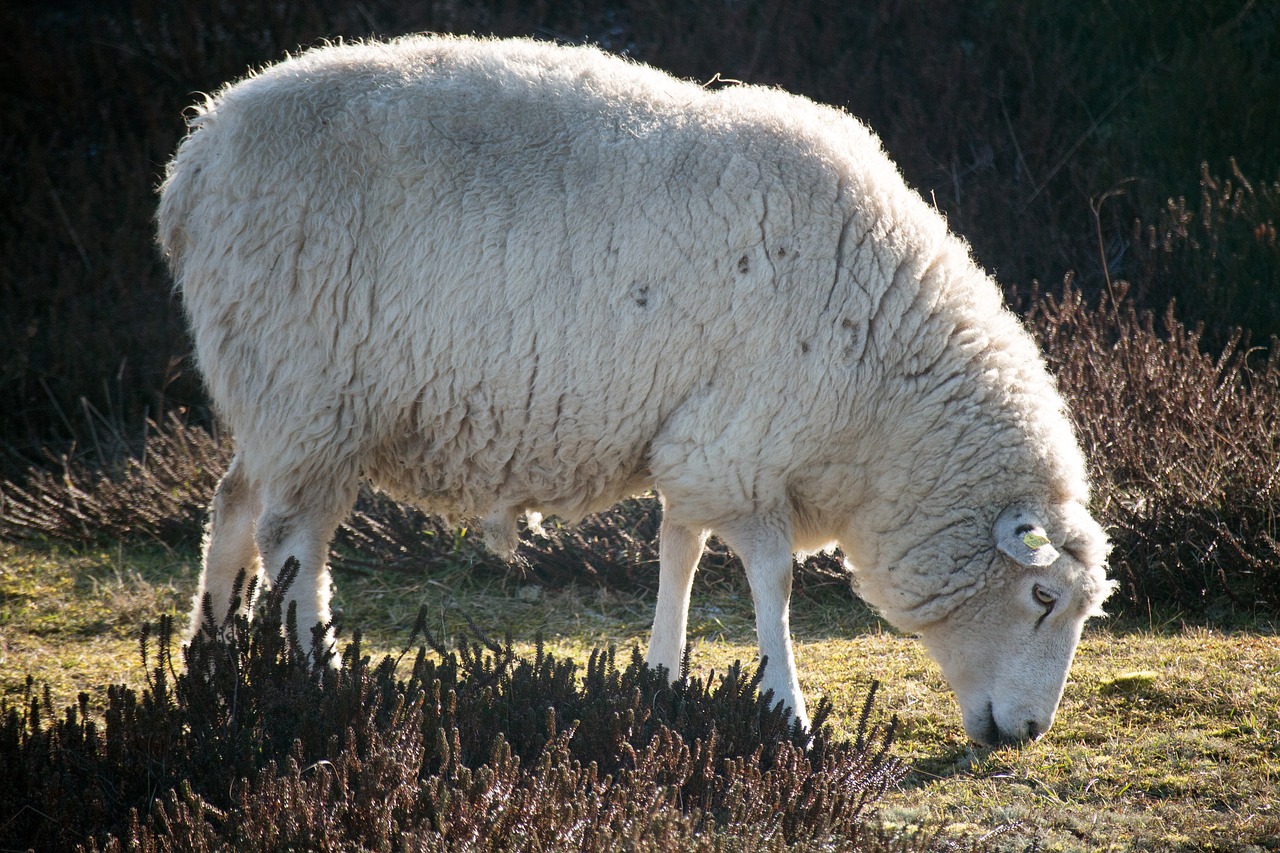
[(1166, 738), (71, 618)]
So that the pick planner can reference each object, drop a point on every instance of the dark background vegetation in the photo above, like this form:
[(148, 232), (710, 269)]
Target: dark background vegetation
[(1113, 163)]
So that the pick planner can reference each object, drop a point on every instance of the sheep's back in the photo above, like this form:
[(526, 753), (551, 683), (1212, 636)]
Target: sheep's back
[(499, 272)]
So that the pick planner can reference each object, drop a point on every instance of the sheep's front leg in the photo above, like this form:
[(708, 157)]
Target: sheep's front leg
[(229, 547), (765, 549), (679, 550), (299, 522)]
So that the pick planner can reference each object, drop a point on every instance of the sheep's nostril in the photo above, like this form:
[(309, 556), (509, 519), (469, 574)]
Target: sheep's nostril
[(1028, 731)]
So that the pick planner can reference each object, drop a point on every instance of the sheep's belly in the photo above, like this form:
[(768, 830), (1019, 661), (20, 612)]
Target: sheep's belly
[(473, 472)]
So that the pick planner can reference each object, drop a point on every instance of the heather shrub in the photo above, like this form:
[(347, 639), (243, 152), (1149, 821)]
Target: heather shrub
[(1184, 451), (1216, 258), (162, 495), (253, 746)]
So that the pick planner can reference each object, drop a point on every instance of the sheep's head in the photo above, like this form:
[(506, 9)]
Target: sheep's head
[(1006, 640)]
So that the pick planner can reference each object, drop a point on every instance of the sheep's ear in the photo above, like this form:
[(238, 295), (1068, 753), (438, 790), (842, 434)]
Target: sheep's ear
[(1020, 535)]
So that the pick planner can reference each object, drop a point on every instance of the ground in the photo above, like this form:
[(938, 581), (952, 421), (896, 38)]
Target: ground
[(1168, 737)]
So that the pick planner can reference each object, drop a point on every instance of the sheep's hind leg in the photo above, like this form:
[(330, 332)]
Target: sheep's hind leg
[(679, 550), (302, 526), (229, 548)]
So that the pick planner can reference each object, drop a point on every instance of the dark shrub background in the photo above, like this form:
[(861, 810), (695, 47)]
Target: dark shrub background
[(1015, 118)]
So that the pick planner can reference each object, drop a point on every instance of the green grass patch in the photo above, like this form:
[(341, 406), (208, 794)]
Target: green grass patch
[(71, 617)]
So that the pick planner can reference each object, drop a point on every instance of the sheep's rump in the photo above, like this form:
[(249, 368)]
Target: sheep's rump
[(506, 274)]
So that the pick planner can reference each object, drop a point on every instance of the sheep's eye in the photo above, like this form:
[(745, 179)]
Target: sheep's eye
[(1046, 599)]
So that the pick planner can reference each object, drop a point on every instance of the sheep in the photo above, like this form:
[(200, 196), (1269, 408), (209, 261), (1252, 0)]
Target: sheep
[(495, 277)]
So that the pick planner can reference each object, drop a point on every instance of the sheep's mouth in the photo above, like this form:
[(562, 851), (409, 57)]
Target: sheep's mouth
[(991, 732)]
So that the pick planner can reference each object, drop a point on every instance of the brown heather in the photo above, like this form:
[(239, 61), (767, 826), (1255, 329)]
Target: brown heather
[(1184, 451), (252, 746)]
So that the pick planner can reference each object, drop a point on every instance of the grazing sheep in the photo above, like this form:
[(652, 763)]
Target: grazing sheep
[(501, 276)]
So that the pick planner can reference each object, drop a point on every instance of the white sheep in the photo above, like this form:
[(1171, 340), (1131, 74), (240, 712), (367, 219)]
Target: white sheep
[(499, 276)]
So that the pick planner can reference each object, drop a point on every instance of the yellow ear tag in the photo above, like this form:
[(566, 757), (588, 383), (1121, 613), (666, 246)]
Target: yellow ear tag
[(1034, 540)]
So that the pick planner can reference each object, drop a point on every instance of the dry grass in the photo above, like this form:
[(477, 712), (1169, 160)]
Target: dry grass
[(72, 617)]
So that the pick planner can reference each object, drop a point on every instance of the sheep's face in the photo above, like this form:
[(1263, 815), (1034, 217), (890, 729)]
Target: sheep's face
[(1007, 649)]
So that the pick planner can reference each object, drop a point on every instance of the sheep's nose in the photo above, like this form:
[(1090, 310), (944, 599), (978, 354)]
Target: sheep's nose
[(995, 734), (1028, 731), (986, 731)]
